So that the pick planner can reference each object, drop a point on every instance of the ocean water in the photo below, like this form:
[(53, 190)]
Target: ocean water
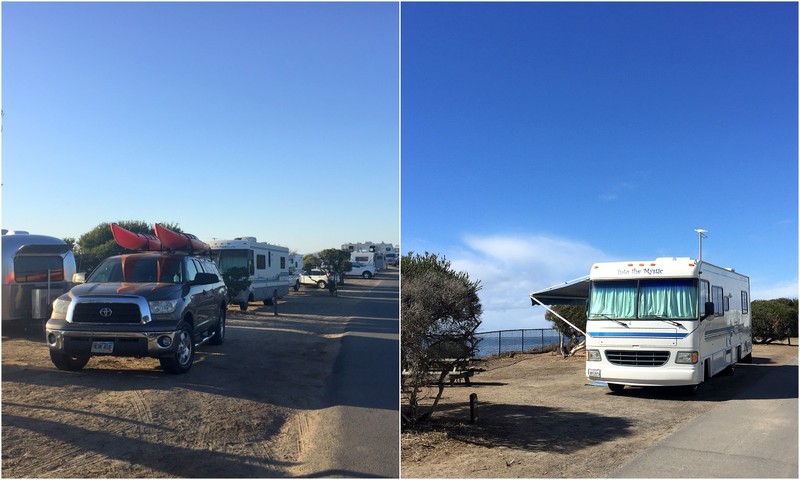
[(493, 343)]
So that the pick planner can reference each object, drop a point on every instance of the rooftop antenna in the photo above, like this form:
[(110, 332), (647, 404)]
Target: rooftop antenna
[(701, 234)]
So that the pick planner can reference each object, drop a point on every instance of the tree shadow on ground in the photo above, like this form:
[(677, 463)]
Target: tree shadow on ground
[(529, 427)]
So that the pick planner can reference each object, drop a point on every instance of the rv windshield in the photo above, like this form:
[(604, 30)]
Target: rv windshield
[(138, 269), (227, 259), (644, 299)]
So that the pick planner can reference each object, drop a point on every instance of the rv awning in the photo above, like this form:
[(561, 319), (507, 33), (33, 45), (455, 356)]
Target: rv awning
[(574, 292)]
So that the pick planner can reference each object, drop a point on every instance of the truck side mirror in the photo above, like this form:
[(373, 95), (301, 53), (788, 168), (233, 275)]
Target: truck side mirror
[(709, 310), (79, 278)]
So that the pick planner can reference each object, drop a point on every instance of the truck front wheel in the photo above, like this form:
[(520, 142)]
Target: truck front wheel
[(72, 363), (181, 360), (321, 284)]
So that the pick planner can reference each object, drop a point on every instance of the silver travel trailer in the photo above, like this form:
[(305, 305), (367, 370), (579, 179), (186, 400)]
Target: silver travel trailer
[(36, 270), (267, 264)]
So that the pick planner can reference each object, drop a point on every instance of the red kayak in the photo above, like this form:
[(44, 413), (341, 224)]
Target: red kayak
[(179, 241), (134, 241)]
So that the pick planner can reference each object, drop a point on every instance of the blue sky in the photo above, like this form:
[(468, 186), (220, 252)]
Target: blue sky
[(539, 138), (279, 121)]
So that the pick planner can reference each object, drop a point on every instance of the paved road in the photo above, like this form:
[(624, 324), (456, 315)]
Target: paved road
[(358, 436), (752, 436)]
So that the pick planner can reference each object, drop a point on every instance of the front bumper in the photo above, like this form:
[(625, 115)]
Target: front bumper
[(663, 376), (125, 344)]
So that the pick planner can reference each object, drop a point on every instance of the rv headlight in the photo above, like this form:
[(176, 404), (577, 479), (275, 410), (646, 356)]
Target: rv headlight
[(61, 305), (593, 355), (686, 357), (161, 307)]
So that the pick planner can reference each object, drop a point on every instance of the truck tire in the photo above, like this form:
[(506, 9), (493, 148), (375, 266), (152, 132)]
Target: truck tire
[(71, 363), (616, 387), (322, 284), (181, 360), (366, 275), (243, 306), (219, 330)]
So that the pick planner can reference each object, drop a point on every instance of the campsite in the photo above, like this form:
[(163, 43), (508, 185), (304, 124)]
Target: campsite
[(539, 417)]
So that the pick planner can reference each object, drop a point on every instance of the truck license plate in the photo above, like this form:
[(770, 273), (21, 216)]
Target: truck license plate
[(594, 373), (102, 347)]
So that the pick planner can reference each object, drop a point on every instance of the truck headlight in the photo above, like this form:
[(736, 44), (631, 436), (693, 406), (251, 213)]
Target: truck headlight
[(593, 355), (686, 357), (61, 305), (161, 307)]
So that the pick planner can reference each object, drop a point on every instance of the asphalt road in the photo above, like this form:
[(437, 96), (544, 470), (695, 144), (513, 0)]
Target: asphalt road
[(358, 435), (752, 436)]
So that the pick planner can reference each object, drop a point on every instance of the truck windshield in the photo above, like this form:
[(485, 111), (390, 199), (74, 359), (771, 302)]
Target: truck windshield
[(644, 299), (138, 269), (227, 259)]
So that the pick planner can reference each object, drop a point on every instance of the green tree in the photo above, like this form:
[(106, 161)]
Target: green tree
[(575, 314), (336, 261), (310, 261), (774, 320), (440, 314), (97, 244)]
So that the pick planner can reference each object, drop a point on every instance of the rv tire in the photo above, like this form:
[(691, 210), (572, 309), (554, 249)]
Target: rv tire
[(71, 363), (616, 387), (366, 275), (243, 306), (321, 284)]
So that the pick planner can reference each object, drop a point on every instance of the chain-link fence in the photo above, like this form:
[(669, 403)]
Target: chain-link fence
[(503, 341)]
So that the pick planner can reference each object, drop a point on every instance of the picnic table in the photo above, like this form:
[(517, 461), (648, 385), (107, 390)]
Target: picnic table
[(457, 370)]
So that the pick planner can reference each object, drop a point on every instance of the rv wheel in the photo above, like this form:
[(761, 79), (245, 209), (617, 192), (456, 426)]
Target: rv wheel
[(243, 306), (366, 275), (616, 387)]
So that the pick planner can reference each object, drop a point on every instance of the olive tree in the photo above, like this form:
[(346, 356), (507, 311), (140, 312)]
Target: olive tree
[(336, 261), (575, 314), (440, 314), (774, 320)]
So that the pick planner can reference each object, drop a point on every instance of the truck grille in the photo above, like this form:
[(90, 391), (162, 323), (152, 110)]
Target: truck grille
[(106, 313), (637, 358)]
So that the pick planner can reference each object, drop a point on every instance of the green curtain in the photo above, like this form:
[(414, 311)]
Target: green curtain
[(613, 300), (668, 298)]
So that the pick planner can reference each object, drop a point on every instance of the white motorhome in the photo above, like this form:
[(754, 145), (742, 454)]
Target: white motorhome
[(365, 258), (665, 322), (37, 269), (267, 264)]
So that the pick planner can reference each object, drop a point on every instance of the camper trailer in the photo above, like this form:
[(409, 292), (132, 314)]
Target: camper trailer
[(267, 264), (664, 322), (37, 269)]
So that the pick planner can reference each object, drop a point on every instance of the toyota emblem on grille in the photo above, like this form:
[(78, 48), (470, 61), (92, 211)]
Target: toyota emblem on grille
[(105, 312)]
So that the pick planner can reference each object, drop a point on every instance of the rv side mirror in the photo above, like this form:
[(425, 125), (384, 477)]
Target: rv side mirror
[(709, 310), (79, 277)]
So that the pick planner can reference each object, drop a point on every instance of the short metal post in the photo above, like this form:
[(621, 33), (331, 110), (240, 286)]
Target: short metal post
[(473, 408), (542, 330), (499, 342), (523, 341)]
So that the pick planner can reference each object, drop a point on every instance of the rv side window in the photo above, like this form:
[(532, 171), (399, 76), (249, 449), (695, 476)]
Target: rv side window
[(717, 297), (283, 263), (270, 259), (34, 269), (745, 302), (727, 302), (261, 262), (705, 289), (250, 263)]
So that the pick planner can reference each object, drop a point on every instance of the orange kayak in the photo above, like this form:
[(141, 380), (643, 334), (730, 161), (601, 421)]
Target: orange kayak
[(179, 241), (134, 241)]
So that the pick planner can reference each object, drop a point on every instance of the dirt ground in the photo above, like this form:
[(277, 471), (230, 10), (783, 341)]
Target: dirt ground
[(248, 408), (538, 417)]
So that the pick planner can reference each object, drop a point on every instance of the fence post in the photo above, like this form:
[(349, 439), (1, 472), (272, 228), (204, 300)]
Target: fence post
[(499, 342), (542, 330), (523, 341)]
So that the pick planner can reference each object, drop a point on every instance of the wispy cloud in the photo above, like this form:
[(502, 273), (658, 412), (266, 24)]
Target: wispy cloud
[(615, 191), (762, 291), (510, 267)]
